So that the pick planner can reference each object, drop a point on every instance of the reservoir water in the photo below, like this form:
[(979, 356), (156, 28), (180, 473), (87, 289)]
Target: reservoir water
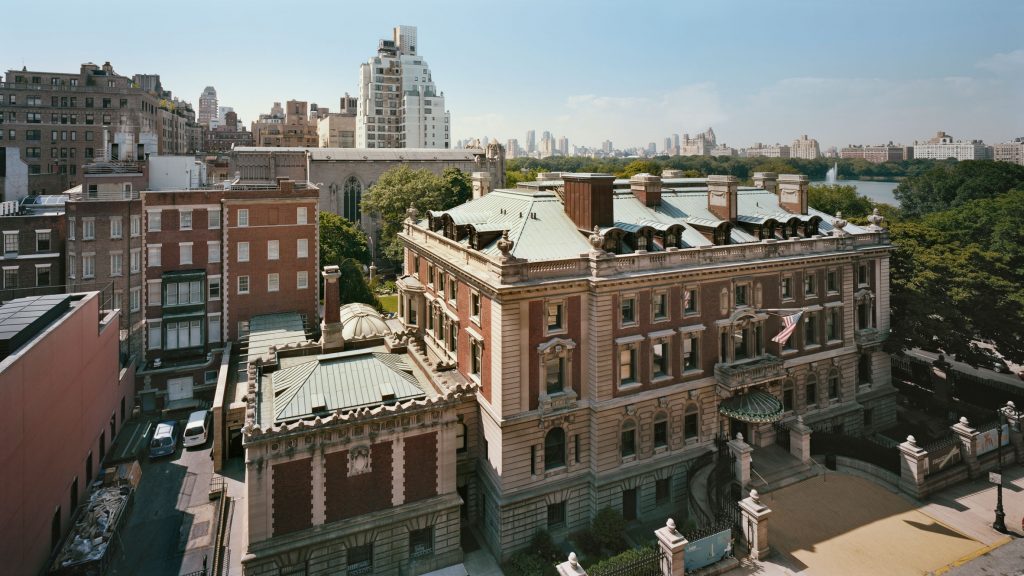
[(877, 191)]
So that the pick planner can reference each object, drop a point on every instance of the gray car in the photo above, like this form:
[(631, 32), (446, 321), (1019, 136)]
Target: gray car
[(165, 439)]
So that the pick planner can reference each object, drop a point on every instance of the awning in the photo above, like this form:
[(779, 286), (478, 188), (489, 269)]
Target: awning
[(756, 406)]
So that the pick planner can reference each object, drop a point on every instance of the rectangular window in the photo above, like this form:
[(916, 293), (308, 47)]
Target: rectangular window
[(556, 515), (185, 253), (554, 316), (302, 280), (862, 275), (183, 293), (116, 264), (787, 399), (476, 360), (659, 306), (273, 250), (628, 438), (88, 228), (300, 215), (474, 305), (153, 297), (243, 252), (185, 334), (213, 219), (136, 259), (153, 255), (212, 251), (302, 248), (360, 560), (88, 265), (10, 242), (627, 311), (155, 335), (832, 324), (10, 278), (72, 265), (787, 288), (627, 366), (135, 298), (213, 334), (662, 491), (42, 240), (273, 282), (661, 433), (810, 328), (243, 284), (659, 360), (213, 288), (243, 217), (691, 353), (453, 289), (116, 227), (554, 369), (421, 542), (184, 220), (153, 221), (42, 275), (810, 287), (811, 392), (741, 295), (832, 281)]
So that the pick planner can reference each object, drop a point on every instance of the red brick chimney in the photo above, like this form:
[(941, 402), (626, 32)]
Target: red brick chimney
[(722, 198), (330, 326), (793, 193), (286, 185), (647, 189), (588, 199)]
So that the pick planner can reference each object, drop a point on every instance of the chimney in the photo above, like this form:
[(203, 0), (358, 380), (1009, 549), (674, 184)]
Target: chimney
[(722, 198), (481, 184), (793, 193), (767, 181), (672, 173), (647, 189), (286, 185), (330, 327), (588, 199)]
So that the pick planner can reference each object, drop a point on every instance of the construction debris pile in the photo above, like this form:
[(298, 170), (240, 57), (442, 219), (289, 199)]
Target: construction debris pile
[(94, 529)]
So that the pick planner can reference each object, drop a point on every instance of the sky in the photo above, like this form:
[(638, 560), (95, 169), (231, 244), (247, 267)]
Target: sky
[(841, 71)]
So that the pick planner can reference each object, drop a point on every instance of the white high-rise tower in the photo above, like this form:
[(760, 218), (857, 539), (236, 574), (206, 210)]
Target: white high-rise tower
[(399, 105)]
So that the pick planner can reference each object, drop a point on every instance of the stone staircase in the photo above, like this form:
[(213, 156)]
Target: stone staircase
[(772, 468)]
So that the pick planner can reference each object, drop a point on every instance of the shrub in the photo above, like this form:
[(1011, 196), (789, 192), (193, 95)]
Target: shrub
[(588, 543), (544, 547), (528, 563), (609, 529)]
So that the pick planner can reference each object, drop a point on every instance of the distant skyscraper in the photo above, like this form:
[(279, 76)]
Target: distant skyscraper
[(531, 141), (209, 114), (563, 146), (399, 105), (804, 147), (668, 146), (512, 148)]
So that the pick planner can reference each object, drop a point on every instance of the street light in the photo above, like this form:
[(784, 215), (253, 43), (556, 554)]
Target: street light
[(1000, 522)]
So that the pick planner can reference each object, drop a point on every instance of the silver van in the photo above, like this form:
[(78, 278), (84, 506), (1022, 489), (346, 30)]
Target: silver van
[(197, 429)]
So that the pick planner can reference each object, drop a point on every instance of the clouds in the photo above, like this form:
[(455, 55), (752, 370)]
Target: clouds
[(1004, 62)]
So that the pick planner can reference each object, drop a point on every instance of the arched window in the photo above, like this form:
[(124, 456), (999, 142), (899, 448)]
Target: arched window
[(353, 198), (628, 447), (554, 449)]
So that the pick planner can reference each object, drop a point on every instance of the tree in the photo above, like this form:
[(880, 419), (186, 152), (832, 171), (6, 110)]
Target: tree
[(401, 187), (831, 198), (344, 245), (640, 167), (948, 184)]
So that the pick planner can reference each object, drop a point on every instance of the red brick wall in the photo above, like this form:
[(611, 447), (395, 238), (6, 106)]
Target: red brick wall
[(485, 331), (575, 333), (536, 336), (361, 494), (293, 496), (420, 467)]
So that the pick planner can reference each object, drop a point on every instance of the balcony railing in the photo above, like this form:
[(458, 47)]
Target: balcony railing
[(736, 376)]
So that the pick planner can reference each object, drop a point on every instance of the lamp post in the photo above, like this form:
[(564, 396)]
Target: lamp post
[(1000, 523)]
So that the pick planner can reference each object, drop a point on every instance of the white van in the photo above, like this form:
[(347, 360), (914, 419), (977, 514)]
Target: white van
[(197, 429)]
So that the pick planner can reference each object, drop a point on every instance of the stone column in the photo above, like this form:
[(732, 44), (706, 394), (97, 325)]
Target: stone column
[(912, 468), (673, 547), (741, 450), (968, 446), (1015, 419), (571, 567), (800, 440), (755, 525)]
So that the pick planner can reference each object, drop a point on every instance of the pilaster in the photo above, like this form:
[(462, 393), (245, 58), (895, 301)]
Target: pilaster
[(755, 525), (741, 450), (397, 472)]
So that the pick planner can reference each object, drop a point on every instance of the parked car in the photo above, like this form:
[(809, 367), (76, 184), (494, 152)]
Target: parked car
[(165, 439), (197, 430), (984, 358)]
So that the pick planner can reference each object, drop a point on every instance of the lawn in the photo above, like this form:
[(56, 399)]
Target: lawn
[(389, 302)]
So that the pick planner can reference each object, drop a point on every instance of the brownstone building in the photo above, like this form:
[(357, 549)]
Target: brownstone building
[(286, 127), (212, 259), (32, 261)]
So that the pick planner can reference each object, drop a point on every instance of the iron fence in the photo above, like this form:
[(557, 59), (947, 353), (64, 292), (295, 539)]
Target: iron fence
[(645, 561), (781, 434), (856, 447)]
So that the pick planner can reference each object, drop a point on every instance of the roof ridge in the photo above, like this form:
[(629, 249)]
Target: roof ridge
[(296, 378)]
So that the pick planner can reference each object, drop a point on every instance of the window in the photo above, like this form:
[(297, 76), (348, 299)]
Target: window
[(867, 417), (659, 360), (184, 334), (243, 252), (832, 324), (360, 559), (554, 369), (135, 259), (474, 305), (627, 311), (661, 430), (115, 227), (691, 352), (273, 250), (213, 219), (185, 253), (476, 358), (300, 215), (689, 300), (153, 221), (833, 384), (659, 306), (554, 316), (88, 265), (302, 247), (302, 280), (811, 390), (421, 542), (213, 288), (42, 274), (153, 295), (787, 395), (741, 295), (184, 220), (10, 242), (10, 277), (460, 437), (116, 264), (556, 515), (627, 366), (810, 328), (691, 422), (135, 298), (273, 282), (453, 289), (810, 288), (832, 282), (213, 334), (430, 274), (243, 217), (787, 288), (88, 228), (453, 337), (212, 251), (663, 491), (153, 255), (72, 265), (554, 449), (627, 447), (183, 293)]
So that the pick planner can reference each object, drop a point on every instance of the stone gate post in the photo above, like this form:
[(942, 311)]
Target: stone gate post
[(673, 546), (741, 450), (755, 525)]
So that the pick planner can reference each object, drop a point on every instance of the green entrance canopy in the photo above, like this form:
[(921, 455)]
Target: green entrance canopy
[(756, 406)]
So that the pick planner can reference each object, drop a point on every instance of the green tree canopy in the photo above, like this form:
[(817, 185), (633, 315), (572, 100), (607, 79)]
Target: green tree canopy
[(640, 167), (833, 198), (344, 245), (401, 187), (948, 184)]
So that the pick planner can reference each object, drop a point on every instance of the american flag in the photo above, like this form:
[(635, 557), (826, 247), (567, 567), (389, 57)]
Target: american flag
[(687, 296), (789, 326)]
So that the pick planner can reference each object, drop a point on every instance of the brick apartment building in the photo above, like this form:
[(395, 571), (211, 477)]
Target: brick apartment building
[(64, 350), (212, 259), (32, 261), (616, 328), (226, 136)]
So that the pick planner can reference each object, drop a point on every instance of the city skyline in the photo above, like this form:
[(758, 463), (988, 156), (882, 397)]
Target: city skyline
[(957, 70)]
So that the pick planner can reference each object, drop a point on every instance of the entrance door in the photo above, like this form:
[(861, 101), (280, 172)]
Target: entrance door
[(629, 504), (737, 426), (179, 389)]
